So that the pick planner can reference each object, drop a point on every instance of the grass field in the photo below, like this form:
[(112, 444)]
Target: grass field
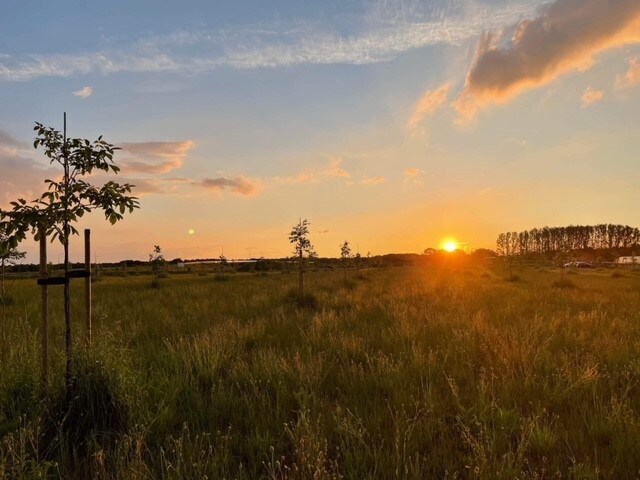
[(413, 373)]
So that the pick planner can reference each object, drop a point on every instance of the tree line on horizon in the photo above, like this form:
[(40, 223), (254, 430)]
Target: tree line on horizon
[(574, 237)]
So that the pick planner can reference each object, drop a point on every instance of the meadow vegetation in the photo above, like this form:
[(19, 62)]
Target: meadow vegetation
[(412, 373)]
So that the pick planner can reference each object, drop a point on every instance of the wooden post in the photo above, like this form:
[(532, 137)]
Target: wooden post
[(87, 280), (45, 310)]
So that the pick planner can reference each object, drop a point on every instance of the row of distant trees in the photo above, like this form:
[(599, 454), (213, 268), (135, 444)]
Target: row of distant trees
[(574, 237)]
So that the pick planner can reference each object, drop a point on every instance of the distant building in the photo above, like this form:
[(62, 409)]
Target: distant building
[(628, 260)]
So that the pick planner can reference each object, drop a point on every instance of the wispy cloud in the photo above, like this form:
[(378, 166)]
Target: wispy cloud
[(413, 175), (632, 77), (21, 176), (83, 92), (8, 141), (413, 172), (9, 146), (379, 38), (427, 105), (155, 157), (334, 169), (564, 37), (372, 181), (591, 96), (239, 185)]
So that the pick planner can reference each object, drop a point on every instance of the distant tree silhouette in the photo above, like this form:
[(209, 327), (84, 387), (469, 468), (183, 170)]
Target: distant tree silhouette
[(549, 240)]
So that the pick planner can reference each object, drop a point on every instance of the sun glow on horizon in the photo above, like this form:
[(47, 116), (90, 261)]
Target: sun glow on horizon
[(450, 246)]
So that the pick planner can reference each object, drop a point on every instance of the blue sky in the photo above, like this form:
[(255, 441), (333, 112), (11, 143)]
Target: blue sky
[(390, 123)]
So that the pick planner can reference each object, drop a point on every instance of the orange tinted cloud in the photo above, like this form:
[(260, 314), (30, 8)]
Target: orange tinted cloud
[(565, 37), (155, 157), (427, 105), (373, 180), (413, 175), (591, 96), (333, 169), (413, 172), (632, 77)]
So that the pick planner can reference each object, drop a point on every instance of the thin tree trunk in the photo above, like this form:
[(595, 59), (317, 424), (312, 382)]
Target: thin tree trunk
[(3, 334), (67, 311), (301, 275), (67, 283), (2, 291), (45, 310)]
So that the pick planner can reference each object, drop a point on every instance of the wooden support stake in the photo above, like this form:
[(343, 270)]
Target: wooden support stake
[(45, 310), (87, 280)]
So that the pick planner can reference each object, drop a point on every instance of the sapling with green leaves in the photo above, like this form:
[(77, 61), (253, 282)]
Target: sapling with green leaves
[(345, 255), (67, 199), (299, 237), (156, 260)]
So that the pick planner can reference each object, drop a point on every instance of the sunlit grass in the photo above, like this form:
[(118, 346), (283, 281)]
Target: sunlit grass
[(406, 373)]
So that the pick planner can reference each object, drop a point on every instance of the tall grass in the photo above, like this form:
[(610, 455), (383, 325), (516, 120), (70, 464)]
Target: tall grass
[(406, 373)]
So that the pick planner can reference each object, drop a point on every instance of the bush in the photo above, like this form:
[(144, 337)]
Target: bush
[(617, 274), (221, 277)]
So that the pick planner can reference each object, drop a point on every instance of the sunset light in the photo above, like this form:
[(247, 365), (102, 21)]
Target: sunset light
[(363, 239), (256, 121), (450, 246)]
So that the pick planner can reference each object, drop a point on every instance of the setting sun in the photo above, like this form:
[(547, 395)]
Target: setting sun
[(450, 246)]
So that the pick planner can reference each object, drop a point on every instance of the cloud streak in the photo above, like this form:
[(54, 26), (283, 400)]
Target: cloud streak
[(565, 37), (380, 39), (155, 157), (591, 96), (430, 102), (372, 181), (632, 77), (334, 169), (239, 185)]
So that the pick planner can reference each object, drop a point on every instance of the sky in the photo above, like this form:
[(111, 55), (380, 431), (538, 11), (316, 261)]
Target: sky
[(392, 124)]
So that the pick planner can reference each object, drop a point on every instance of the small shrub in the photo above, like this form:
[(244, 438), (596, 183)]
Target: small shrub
[(221, 277), (155, 283), (513, 278), (617, 274)]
